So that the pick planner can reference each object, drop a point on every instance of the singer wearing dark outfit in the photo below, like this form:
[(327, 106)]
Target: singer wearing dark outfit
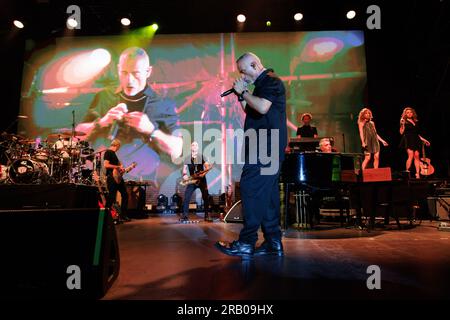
[(194, 165), (135, 114), (110, 158), (307, 131), (265, 108), (411, 139)]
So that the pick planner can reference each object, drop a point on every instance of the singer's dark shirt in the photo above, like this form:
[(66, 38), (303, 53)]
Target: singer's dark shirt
[(134, 145), (269, 87), (161, 112)]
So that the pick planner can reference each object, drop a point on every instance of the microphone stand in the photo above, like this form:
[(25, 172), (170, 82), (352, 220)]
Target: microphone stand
[(71, 174), (343, 140)]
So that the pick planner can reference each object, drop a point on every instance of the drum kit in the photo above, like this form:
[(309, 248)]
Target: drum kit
[(61, 158)]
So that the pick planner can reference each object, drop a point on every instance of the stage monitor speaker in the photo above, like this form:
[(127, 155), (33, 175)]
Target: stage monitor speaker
[(57, 253), (235, 214), (443, 208)]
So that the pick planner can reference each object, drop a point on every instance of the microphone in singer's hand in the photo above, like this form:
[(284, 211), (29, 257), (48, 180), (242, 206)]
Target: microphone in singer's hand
[(115, 126), (226, 93)]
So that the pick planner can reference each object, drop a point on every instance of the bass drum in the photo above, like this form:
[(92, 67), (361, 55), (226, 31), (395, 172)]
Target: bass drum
[(3, 173), (27, 171)]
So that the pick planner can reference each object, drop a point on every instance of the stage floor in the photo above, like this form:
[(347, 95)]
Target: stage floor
[(161, 259)]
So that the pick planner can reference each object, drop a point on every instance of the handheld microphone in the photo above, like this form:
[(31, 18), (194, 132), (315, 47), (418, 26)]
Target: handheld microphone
[(114, 130), (115, 126), (226, 93)]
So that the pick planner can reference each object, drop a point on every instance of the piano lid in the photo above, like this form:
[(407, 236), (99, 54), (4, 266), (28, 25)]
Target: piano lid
[(317, 169)]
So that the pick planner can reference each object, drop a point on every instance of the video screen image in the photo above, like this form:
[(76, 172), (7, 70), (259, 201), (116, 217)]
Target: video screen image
[(73, 80)]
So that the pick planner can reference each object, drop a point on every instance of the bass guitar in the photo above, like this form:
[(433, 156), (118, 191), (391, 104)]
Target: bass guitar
[(195, 178), (118, 174), (426, 168)]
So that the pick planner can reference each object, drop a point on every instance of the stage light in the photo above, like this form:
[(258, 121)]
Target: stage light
[(351, 14), (72, 23), (77, 69), (125, 21), (268, 23), (241, 18), (163, 200), (18, 24), (298, 16), (154, 27), (176, 202)]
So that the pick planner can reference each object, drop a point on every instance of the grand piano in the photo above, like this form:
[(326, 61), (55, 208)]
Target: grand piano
[(311, 175)]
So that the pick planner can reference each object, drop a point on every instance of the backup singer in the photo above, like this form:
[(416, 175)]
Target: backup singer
[(369, 138), (411, 139)]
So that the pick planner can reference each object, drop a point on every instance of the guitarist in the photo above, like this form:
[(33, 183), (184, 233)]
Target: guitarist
[(111, 162), (197, 166)]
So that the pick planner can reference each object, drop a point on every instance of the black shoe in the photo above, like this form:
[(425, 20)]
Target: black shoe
[(184, 220), (236, 248), (117, 221), (270, 248)]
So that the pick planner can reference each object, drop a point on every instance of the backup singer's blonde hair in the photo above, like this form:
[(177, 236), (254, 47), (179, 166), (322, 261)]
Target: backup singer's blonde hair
[(361, 115), (403, 117)]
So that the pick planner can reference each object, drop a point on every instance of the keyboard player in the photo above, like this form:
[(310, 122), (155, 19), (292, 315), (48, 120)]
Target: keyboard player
[(325, 146), (307, 131)]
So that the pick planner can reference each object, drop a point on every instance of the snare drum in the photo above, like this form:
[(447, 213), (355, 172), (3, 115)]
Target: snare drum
[(41, 155), (27, 171)]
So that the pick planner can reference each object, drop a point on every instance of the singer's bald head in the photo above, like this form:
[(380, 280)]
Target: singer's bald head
[(249, 66), (134, 69)]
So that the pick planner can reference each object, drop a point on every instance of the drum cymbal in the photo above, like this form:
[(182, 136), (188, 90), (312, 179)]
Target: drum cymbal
[(27, 141), (56, 136), (75, 133), (12, 136)]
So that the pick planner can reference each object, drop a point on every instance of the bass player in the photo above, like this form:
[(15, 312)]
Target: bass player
[(112, 164), (197, 166)]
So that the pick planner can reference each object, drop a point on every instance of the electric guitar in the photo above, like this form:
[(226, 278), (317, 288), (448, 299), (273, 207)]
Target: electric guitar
[(195, 178), (426, 168), (102, 201), (118, 174)]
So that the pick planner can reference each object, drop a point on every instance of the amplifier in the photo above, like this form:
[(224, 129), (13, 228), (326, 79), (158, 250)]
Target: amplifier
[(379, 174)]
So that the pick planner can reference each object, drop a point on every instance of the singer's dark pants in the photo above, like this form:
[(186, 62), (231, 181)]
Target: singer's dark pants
[(188, 194), (113, 187), (260, 196)]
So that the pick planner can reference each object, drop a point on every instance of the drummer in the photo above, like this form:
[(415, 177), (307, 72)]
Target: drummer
[(66, 147)]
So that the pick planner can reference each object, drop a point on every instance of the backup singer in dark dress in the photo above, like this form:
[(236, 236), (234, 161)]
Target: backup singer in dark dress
[(411, 139), (265, 110)]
